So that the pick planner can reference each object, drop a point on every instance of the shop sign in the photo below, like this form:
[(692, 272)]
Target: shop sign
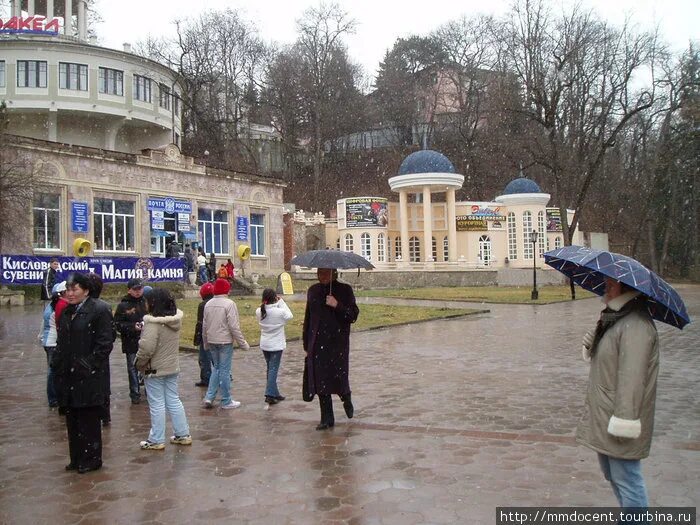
[(157, 220), (183, 222), (553, 220), (470, 223), (241, 228), (79, 217), (169, 205), (28, 269), (37, 25), (496, 225), (488, 213), (362, 212)]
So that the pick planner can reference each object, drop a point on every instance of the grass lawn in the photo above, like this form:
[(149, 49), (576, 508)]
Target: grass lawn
[(486, 294), (371, 316)]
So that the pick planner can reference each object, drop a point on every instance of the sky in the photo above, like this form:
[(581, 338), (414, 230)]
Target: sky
[(380, 22)]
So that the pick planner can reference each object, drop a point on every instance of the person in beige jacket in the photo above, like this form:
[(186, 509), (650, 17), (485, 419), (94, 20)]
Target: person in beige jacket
[(618, 422), (158, 359), (220, 328)]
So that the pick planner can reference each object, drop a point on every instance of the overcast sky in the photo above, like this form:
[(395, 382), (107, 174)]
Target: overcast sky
[(380, 22)]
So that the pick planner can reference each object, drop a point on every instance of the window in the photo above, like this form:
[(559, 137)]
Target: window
[(380, 248), (557, 242), (542, 234), (445, 249), (72, 76), (176, 105), (512, 237), (485, 250), (366, 246), (397, 249), (47, 220), (111, 81), (142, 88), (527, 234), (164, 96), (257, 234), (414, 249), (2, 73), (337, 243), (31, 73), (114, 225), (213, 226), (434, 251), (348, 242)]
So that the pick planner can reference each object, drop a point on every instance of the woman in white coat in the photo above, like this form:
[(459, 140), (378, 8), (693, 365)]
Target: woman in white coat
[(272, 315)]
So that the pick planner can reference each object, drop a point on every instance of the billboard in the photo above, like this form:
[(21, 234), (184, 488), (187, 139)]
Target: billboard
[(362, 212), (553, 220), (471, 223)]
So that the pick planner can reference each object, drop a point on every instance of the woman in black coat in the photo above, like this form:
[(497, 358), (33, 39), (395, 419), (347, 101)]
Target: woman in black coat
[(81, 368), (330, 310)]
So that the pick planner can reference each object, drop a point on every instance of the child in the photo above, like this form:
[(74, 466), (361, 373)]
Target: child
[(222, 273), (272, 315)]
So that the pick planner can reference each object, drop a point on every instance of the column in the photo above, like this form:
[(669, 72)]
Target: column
[(427, 225), (451, 225), (68, 19), (82, 20), (30, 8), (53, 126), (16, 8), (403, 212), (49, 9)]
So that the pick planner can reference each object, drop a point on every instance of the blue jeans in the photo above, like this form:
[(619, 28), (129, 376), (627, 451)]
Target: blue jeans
[(221, 357), (273, 365), (204, 364), (625, 476), (203, 274), (50, 389), (134, 392), (162, 395)]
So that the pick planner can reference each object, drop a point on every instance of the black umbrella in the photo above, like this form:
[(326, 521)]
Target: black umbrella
[(335, 259)]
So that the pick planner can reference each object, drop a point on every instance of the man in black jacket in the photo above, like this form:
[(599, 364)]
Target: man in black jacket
[(128, 319), (49, 279)]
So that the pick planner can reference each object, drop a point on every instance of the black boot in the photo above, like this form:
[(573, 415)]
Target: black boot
[(347, 405), (327, 418)]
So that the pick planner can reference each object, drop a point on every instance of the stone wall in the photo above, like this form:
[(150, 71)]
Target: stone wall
[(523, 277), (374, 280)]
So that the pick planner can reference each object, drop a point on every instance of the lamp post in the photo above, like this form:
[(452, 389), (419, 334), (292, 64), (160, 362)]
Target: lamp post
[(533, 237)]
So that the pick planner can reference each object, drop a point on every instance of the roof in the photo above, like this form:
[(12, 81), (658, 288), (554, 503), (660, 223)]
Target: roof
[(426, 161), (521, 185)]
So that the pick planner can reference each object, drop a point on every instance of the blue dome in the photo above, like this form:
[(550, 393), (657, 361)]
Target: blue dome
[(521, 185), (426, 161)]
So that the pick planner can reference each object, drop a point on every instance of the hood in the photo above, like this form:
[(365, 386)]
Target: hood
[(173, 322)]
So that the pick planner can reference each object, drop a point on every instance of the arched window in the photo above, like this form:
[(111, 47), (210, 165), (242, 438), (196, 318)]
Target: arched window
[(380, 248), (542, 233), (337, 243), (512, 237), (434, 254), (557, 242), (397, 249), (366, 246), (348, 242), (445, 249), (414, 249), (527, 234), (485, 250)]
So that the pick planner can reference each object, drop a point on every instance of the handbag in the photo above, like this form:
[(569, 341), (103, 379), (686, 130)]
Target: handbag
[(305, 394)]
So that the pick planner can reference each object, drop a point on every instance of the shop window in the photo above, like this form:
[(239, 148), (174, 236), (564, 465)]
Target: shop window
[(72, 76), (257, 234), (31, 73), (164, 96), (380, 248), (111, 81), (349, 244), (445, 249), (527, 235), (512, 237), (541, 235), (397, 249), (485, 250), (213, 227), (366, 246), (142, 88), (114, 225), (414, 249), (47, 221), (2, 73)]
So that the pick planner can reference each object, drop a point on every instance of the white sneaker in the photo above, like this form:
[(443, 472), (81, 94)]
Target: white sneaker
[(208, 403), (232, 404)]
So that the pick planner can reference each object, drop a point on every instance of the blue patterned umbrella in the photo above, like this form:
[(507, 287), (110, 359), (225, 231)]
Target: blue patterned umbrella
[(588, 268)]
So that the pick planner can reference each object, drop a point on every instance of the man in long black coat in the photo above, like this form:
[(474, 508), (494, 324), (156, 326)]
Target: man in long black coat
[(330, 310), (81, 372)]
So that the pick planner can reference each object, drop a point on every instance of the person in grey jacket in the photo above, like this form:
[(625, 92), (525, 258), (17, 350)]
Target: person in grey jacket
[(619, 419), (158, 359)]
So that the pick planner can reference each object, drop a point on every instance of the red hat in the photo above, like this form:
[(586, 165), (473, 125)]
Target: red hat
[(221, 287), (206, 290)]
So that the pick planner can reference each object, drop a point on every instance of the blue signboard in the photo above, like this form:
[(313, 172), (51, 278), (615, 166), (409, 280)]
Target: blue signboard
[(169, 205), (241, 228), (79, 217), (28, 269)]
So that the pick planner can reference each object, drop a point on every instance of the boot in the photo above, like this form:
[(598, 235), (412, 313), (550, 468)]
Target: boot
[(327, 418), (347, 405)]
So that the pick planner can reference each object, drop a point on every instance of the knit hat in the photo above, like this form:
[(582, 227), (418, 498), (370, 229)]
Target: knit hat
[(58, 288), (221, 287), (207, 290)]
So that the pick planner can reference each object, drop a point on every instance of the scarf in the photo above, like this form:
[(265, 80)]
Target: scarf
[(609, 316)]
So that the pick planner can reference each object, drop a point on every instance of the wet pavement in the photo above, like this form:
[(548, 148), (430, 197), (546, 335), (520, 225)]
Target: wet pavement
[(453, 418)]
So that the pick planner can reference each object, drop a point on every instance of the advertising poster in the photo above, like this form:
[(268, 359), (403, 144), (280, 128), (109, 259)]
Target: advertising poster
[(471, 223), (553, 220), (366, 211)]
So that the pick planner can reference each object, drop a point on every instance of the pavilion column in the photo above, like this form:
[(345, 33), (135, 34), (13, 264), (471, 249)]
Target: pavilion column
[(30, 8), (451, 225), (82, 20), (403, 212), (68, 19), (49, 9), (427, 225), (16, 8)]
